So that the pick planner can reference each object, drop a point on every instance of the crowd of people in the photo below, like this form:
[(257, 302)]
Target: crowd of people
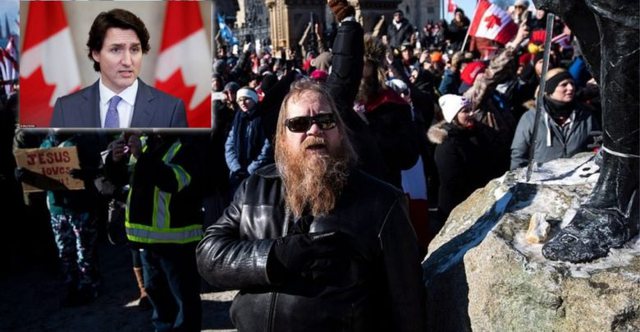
[(326, 171)]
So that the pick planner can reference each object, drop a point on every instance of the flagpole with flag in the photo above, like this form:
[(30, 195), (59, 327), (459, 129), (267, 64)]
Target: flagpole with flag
[(492, 22), (466, 36), (49, 68), (184, 61)]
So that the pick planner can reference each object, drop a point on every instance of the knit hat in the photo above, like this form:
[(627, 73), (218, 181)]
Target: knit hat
[(247, 92), (341, 9), (471, 71), (218, 66), (450, 105), (232, 86)]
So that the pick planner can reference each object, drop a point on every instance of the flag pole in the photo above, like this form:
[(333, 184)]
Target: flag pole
[(466, 36), (540, 96)]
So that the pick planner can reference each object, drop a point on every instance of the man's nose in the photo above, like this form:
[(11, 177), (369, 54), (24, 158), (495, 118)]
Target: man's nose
[(126, 58), (315, 130)]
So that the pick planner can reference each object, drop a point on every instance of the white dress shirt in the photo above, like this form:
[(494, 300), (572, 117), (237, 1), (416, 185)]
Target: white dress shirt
[(125, 106)]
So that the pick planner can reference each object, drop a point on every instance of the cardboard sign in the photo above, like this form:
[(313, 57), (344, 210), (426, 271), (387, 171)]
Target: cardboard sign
[(52, 163)]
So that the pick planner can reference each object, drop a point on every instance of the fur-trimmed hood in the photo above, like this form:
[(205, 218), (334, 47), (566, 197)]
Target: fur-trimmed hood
[(438, 132)]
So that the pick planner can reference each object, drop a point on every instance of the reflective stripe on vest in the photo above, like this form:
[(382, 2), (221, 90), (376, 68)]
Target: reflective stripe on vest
[(161, 231), (146, 234)]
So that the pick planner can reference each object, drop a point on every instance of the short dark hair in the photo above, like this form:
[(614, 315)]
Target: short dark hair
[(115, 18)]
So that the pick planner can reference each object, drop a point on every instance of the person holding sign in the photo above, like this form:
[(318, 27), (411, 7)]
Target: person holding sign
[(72, 211)]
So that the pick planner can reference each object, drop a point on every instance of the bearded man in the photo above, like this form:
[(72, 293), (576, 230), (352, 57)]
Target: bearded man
[(313, 243)]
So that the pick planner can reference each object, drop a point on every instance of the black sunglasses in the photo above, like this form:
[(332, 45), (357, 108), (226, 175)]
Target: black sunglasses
[(301, 124)]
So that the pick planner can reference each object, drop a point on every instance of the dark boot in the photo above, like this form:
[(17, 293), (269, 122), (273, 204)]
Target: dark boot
[(608, 220)]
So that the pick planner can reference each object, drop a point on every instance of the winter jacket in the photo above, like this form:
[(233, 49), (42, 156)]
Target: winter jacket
[(552, 140), (248, 147), (450, 82), (465, 162), (396, 37), (381, 289), (343, 82), (395, 133), (164, 202)]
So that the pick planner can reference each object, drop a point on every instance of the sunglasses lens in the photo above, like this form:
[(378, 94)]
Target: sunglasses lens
[(299, 124), (325, 121), (303, 123)]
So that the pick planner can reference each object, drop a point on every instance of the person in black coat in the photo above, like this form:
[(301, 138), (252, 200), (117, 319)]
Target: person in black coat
[(462, 155)]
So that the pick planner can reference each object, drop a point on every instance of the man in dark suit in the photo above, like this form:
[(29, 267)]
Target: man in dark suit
[(119, 99)]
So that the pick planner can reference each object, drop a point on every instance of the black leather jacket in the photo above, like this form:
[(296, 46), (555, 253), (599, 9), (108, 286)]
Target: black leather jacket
[(382, 289)]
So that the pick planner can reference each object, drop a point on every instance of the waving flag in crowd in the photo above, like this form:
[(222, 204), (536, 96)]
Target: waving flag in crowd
[(492, 22), (47, 37), (9, 66), (183, 58), (225, 31), (451, 6)]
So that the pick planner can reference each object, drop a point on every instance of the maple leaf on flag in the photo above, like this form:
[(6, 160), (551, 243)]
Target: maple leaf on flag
[(180, 89), (493, 21), (39, 93), (183, 60)]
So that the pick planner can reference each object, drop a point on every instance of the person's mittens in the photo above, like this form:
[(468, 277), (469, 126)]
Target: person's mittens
[(341, 9)]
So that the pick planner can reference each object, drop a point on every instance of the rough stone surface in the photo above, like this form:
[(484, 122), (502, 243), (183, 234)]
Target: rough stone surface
[(482, 275)]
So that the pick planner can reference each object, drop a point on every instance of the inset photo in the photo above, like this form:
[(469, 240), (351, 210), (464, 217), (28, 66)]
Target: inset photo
[(112, 65)]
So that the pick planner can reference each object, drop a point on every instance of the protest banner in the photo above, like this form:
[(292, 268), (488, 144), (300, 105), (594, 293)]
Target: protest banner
[(52, 164)]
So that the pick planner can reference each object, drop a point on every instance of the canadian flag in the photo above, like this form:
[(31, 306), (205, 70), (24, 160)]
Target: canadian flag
[(451, 6), (184, 61), (48, 67), (492, 22)]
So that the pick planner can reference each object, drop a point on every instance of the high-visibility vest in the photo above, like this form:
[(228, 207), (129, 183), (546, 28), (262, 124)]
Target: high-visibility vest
[(160, 229)]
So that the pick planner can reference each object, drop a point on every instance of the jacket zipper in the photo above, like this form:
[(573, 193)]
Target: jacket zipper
[(272, 312)]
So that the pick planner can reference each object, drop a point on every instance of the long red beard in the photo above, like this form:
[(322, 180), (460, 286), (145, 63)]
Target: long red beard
[(312, 182)]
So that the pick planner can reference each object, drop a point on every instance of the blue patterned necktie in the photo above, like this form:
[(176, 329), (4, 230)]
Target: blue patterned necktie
[(112, 120)]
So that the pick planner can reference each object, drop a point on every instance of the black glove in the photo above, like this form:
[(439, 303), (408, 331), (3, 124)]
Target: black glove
[(310, 255)]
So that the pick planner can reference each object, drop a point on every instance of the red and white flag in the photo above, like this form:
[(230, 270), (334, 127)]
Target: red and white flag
[(8, 67), (184, 61), (451, 6), (49, 68), (492, 22)]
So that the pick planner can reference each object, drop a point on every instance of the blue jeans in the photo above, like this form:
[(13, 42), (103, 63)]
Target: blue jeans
[(172, 283)]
